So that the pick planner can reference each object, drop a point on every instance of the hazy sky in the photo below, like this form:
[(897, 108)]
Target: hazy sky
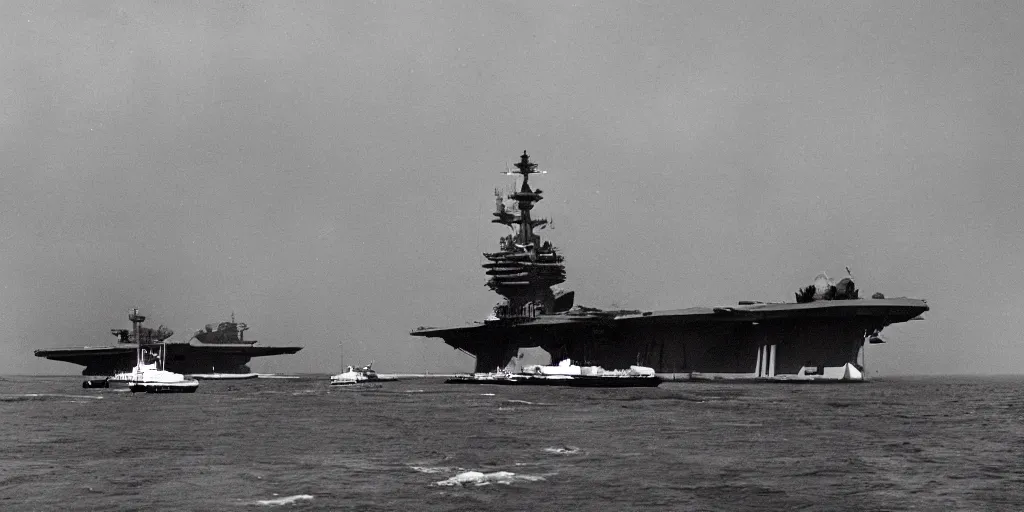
[(326, 171)]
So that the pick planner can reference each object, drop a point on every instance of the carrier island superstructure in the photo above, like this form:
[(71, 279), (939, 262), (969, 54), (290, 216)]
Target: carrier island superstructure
[(821, 336)]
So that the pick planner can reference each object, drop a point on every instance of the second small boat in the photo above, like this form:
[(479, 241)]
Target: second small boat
[(364, 375)]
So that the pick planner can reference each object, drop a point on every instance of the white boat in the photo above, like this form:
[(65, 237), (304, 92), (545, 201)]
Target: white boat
[(151, 377), (364, 375)]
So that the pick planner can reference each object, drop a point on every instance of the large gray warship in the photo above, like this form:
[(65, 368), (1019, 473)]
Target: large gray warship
[(820, 337), (220, 348)]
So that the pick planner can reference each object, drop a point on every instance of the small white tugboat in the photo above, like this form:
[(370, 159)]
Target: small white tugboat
[(151, 377), (363, 375)]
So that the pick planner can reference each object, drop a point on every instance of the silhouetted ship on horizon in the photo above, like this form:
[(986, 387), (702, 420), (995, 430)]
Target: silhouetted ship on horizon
[(820, 337), (220, 348)]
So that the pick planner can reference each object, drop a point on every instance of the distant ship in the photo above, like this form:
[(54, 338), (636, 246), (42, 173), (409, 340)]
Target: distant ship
[(359, 375), (219, 350), (819, 337)]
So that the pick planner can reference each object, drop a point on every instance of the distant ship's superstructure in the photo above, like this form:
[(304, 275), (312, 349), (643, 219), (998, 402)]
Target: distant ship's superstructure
[(818, 337), (224, 333), (220, 349)]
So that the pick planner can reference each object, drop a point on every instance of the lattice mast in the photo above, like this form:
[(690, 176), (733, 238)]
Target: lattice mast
[(526, 267)]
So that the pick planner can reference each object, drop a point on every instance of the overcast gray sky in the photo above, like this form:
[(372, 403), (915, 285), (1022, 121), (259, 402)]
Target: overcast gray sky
[(325, 170)]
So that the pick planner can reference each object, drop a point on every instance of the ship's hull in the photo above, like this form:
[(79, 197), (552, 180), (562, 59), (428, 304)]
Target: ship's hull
[(181, 358), (759, 341)]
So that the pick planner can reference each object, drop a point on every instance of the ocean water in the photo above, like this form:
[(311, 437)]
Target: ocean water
[(419, 444)]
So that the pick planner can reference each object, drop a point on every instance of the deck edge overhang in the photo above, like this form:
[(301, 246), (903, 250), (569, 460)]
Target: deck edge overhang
[(887, 310)]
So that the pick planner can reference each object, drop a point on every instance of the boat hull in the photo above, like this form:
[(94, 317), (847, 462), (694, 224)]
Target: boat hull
[(187, 386)]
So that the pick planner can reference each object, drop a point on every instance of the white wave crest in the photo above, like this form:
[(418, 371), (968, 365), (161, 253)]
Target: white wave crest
[(430, 469), (486, 394), (287, 500), (519, 402), (479, 478), (563, 450)]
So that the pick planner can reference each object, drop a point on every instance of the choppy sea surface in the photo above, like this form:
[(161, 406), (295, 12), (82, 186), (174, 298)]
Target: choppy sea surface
[(420, 444)]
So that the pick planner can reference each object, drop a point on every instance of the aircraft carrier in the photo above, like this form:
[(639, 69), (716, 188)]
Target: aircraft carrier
[(220, 348), (820, 336)]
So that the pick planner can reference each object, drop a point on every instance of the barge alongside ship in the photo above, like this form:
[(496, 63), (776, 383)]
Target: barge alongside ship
[(565, 374), (821, 336)]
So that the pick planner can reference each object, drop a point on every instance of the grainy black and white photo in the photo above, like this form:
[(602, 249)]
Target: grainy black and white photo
[(511, 255)]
